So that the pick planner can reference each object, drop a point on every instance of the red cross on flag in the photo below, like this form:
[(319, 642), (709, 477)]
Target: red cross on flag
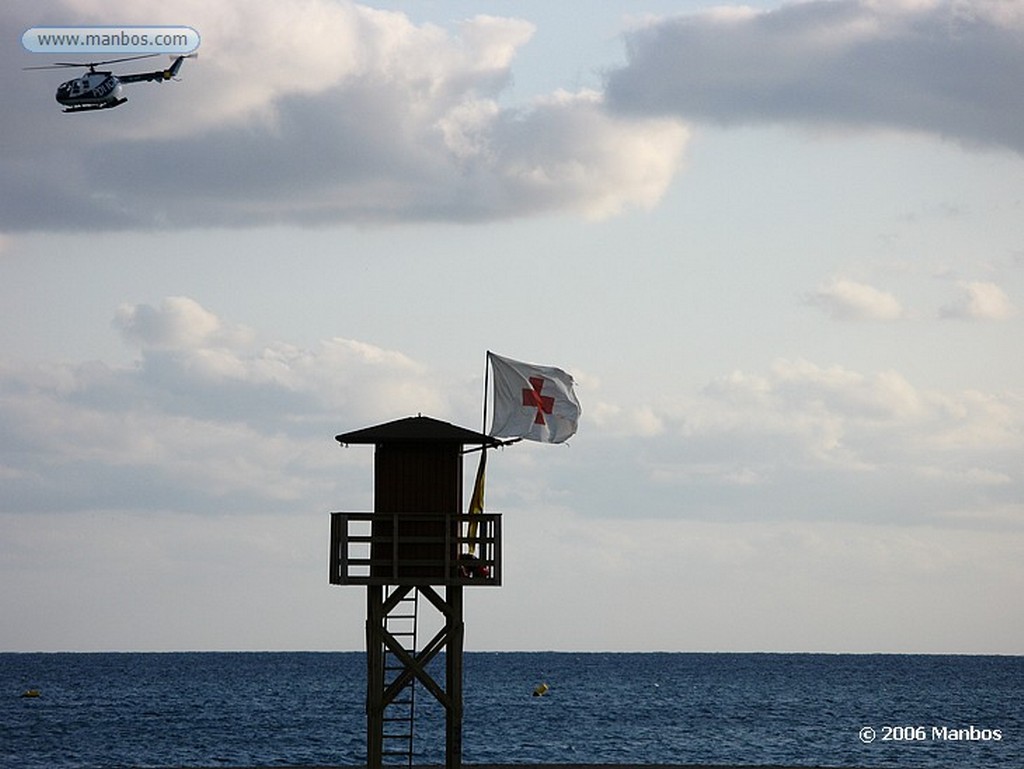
[(532, 402)]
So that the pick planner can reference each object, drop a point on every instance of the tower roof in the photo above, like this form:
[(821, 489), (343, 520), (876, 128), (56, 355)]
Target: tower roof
[(418, 429)]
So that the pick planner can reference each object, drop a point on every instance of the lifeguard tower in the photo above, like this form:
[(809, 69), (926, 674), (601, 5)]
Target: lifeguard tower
[(417, 543)]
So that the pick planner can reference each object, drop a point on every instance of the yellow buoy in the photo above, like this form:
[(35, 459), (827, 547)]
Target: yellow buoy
[(541, 690)]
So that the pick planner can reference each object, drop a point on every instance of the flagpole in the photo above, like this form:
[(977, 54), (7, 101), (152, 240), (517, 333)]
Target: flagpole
[(487, 382), (476, 502)]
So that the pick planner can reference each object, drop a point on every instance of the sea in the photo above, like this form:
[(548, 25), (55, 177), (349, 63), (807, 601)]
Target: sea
[(207, 709)]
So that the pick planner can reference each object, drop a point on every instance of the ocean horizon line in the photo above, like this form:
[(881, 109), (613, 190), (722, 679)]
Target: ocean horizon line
[(534, 651)]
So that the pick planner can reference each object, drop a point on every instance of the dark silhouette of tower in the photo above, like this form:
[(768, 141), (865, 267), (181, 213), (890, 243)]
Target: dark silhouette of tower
[(416, 546)]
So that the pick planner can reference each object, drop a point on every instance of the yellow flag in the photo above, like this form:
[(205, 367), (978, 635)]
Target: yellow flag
[(476, 502)]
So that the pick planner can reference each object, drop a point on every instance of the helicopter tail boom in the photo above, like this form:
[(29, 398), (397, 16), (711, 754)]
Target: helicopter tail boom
[(159, 75)]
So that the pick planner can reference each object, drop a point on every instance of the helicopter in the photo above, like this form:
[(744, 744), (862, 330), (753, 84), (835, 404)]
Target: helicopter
[(102, 89)]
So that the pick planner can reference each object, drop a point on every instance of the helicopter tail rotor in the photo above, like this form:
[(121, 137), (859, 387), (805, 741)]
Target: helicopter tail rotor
[(176, 61)]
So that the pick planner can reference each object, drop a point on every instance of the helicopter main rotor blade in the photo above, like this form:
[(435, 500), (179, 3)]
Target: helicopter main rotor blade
[(60, 65), (92, 64), (126, 58)]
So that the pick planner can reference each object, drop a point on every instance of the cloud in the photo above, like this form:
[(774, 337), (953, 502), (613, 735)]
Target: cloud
[(179, 323), (798, 441), (941, 67), (811, 442), (207, 419), (845, 299), (322, 112), (211, 419), (980, 300), (840, 415), (632, 420)]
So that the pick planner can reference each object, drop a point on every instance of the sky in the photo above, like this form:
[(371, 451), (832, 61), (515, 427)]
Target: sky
[(777, 244)]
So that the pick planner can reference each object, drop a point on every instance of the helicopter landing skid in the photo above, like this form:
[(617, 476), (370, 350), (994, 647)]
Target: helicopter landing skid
[(93, 107)]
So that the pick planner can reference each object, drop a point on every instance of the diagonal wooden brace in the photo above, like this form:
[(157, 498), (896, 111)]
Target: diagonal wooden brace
[(416, 666)]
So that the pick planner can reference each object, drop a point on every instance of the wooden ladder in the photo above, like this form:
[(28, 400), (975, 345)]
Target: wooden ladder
[(399, 714)]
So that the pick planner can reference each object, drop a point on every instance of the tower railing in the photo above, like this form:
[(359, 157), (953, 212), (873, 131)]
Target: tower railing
[(416, 549)]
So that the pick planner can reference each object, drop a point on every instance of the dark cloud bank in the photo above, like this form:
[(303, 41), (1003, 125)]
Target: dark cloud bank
[(950, 69)]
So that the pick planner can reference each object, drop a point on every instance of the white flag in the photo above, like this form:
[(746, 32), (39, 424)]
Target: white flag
[(532, 402)]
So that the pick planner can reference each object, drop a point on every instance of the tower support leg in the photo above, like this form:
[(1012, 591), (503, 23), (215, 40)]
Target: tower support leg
[(379, 693), (453, 682), (374, 676)]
